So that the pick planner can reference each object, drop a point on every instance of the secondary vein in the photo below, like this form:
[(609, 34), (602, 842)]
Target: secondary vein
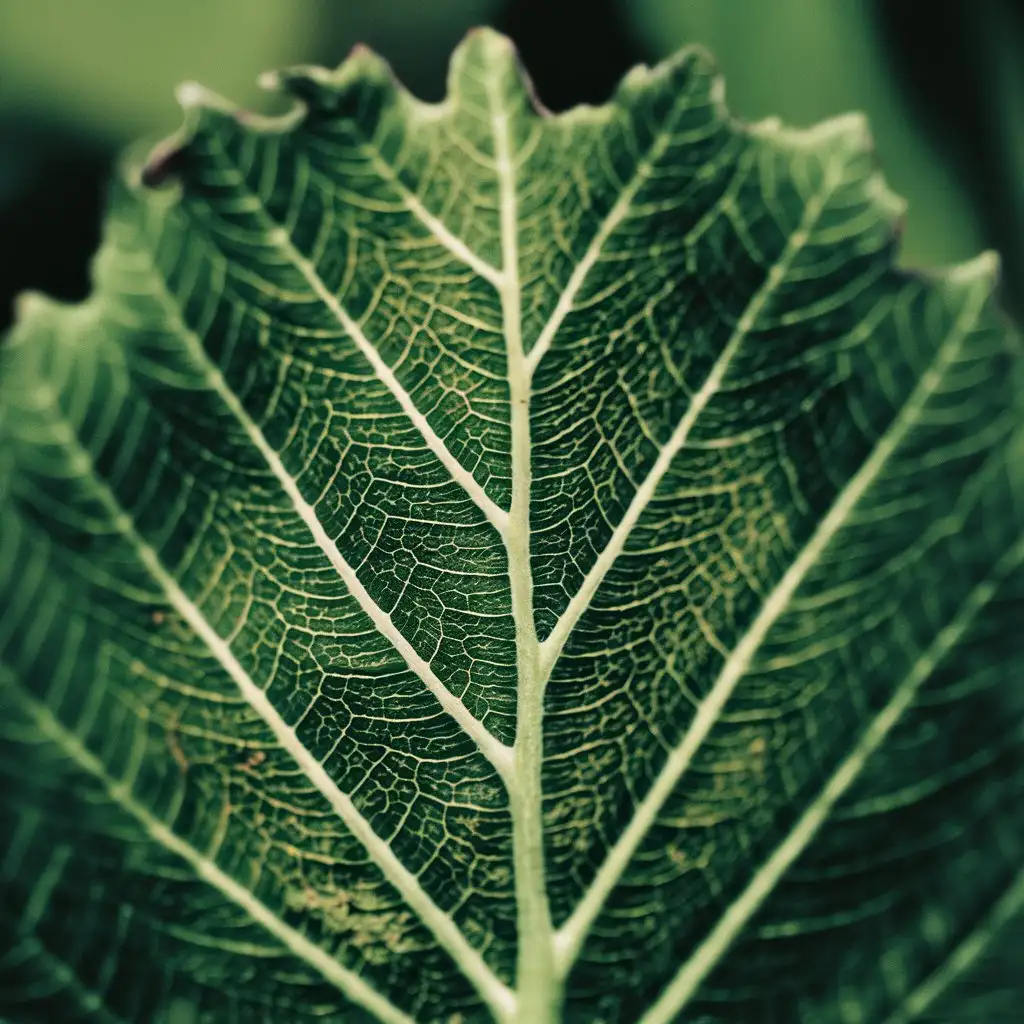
[(441, 925), (347, 982), (552, 646), (615, 216), (455, 245), (964, 956), (572, 934), (495, 515), (539, 992), (492, 748), (677, 995)]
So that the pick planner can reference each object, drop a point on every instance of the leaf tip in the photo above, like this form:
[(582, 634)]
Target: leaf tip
[(196, 100), (849, 136), (490, 43), (486, 63), (849, 132), (333, 90), (685, 64), (853, 127), (364, 62), (484, 49), (892, 205)]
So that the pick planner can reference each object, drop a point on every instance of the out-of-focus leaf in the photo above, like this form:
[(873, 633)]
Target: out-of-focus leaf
[(979, 981), (466, 562), (110, 64), (804, 60)]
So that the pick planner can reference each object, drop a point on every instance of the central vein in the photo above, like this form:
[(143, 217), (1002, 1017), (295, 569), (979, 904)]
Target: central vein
[(538, 987)]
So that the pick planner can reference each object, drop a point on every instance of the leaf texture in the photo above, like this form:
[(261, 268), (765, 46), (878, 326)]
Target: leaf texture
[(469, 563)]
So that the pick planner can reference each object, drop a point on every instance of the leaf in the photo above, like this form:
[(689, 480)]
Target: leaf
[(465, 562), (801, 61), (104, 69)]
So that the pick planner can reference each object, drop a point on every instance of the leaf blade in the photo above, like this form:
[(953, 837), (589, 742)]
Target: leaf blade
[(271, 460)]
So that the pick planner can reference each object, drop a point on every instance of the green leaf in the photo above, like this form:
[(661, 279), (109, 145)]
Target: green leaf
[(465, 562), (105, 66), (802, 60)]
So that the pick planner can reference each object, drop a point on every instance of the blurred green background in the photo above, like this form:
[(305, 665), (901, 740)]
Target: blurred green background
[(942, 83)]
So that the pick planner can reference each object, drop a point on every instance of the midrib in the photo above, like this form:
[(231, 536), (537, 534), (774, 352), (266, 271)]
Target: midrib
[(538, 990)]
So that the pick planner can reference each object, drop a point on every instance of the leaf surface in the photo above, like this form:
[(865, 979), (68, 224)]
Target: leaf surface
[(464, 562)]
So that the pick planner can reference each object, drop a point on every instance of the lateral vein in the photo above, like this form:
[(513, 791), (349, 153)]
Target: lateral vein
[(492, 748), (441, 925), (709, 953), (455, 245), (435, 226), (88, 998), (964, 956), (615, 216), (575, 929), (496, 515), (552, 645), (347, 982)]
